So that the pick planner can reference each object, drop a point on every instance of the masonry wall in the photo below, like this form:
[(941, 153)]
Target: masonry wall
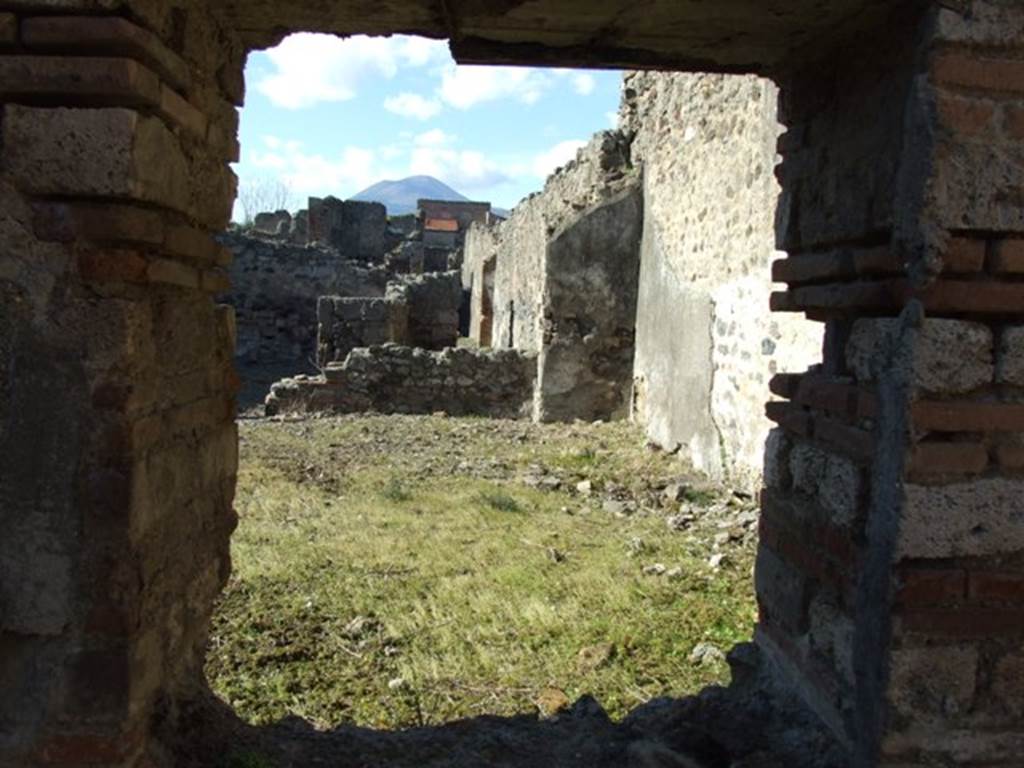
[(399, 379), (706, 344), (118, 448), (274, 290)]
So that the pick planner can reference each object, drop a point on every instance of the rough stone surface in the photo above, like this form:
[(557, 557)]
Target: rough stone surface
[(397, 379), (962, 520), (706, 144), (931, 682), (346, 323), (357, 230), (1011, 356), (949, 356), (274, 289)]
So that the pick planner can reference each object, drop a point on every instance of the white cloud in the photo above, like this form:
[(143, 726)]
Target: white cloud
[(412, 105), (465, 86), (613, 119), (351, 170), (546, 162), (310, 68), (433, 138), (466, 170), (584, 83)]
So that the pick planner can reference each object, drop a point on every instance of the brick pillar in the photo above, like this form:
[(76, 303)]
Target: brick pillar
[(890, 578), (117, 436)]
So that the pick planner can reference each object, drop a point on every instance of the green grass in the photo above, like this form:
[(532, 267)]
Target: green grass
[(392, 571)]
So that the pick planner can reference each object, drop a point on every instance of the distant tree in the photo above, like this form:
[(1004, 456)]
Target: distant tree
[(262, 194)]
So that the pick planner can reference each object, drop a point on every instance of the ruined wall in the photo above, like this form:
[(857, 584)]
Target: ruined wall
[(478, 277), (118, 449), (357, 230), (346, 323), (397, 379), (433, 300), (274, 290), (597, 174), (590, 302), (707, 145)]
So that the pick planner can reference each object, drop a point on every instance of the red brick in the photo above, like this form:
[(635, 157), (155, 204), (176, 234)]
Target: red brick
[(964, 70), (930, 458), (928, 586), (961, 416), (1010, 456), (97, 223), (877, 261), (1008, 257), (79, 81), (858, 444), (964, 254), (104, 266), (107, 35), (172, 272), (1013, 122), (181, 112), (865, 295), (813, 267), (994, 587), (785, 384), (825, 394), (8, 28), (988, 297), (791, 418), (966, 117), (965, 623), (197, 245)]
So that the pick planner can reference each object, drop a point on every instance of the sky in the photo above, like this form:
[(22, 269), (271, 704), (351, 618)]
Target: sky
[(330, 116)]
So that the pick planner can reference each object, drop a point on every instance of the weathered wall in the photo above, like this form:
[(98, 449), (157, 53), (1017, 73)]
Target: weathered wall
[(585, 366), (274, 290), (344, 323), (598, 173), (706, 144), (478, 277), (398, 379), (357, 230), (117, 438), (433, 300)]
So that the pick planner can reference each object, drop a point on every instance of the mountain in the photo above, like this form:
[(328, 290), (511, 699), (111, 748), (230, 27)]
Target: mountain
[(400, 196)]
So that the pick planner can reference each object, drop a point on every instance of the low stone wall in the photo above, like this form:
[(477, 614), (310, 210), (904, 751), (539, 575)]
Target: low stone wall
[(274, 290), (397, 379)]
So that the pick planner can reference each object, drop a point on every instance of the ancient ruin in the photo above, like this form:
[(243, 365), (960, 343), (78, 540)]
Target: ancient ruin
[(890, 578)]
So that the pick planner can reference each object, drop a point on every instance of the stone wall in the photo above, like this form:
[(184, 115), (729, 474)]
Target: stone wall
[(397, 379), (433, 300), (706, 144), (418, 310), (357, 230), (274, 290), (344, 323)]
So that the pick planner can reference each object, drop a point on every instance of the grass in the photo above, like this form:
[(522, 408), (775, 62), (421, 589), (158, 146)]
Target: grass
[(397, 571)]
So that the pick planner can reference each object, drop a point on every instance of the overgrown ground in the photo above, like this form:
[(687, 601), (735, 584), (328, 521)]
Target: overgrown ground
[(401, 570)]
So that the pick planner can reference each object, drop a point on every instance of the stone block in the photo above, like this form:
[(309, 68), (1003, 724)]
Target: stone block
[(833, 481), (783, 593), (104, 152), (968, 519), (109, 36), (172, 272), (1008, 256), (79, 80), (944, 356), (111, 223), (181, 112), (1008, 683), (934, 681), (1010, 367)]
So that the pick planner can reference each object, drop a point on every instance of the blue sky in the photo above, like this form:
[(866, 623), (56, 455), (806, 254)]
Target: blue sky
[(330, 116)]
